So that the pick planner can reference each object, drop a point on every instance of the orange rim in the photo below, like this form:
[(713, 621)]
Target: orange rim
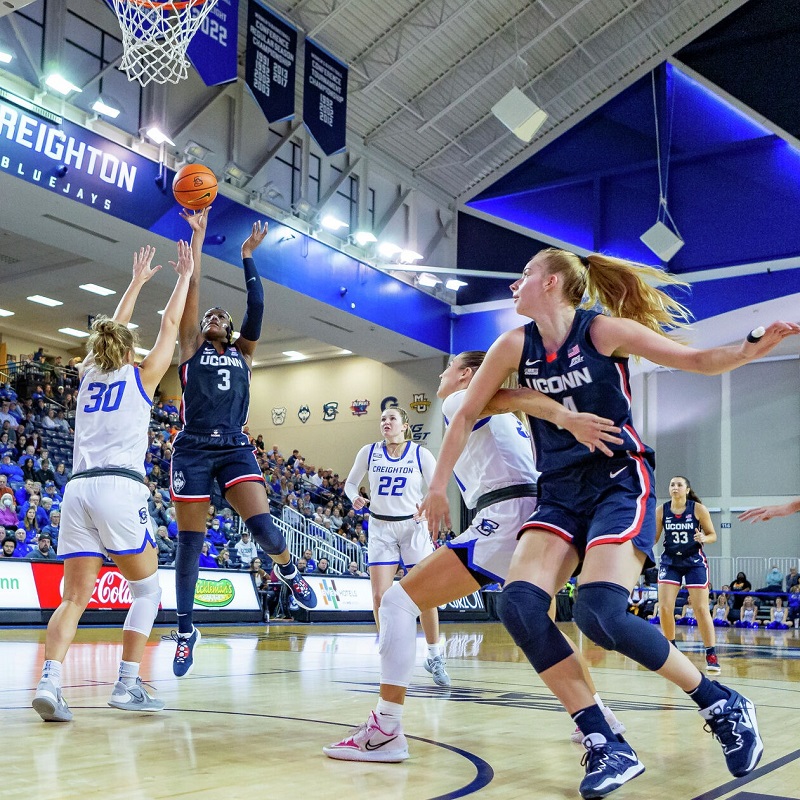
[(168, 4)]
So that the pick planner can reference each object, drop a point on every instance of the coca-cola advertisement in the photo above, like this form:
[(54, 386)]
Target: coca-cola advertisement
[(111, 590)]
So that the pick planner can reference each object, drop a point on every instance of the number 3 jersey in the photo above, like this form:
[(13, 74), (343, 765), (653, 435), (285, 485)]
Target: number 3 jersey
[(395, 484), (580, 378), (216, 390), (111, 420)]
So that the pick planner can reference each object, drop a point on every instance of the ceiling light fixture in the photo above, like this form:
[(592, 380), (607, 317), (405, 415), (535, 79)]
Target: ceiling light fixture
[(409, 256), (364, 238), (294, 355), (60, 84), (158, 136), (95, 289), (5, 313), (6, 57), (454, 284), (132, 326), (44, 301), (74, 332), (388, 250), (101, 107), (140, 351), (427, 280), (332, 223)]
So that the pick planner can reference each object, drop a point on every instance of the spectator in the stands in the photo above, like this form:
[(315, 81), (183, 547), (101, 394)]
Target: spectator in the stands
[(166, 547), (61, 476), (28, 470), (10, 470), (354, 572), (23, 494), (323, 568), (15, 411), (311, 564), (337, 518), (773, 581), (8, 512), (21, 546), (224, 559), (258, 573), (148, 464), (49, 420), (45, 473), (4, 487), (172, 527), (207, 561), (62, 424), (215, 534), (169, 406), (158, 510), (5, 416), (5, 445), (51, 491), (30, 524), (43, 551), (9, 545), (38, 357), (246, 548), (259, 445), (52, 529), (792, 579)]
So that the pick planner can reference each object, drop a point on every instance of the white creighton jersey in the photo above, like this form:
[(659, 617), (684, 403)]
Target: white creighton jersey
[(498, 453), (113, 413), (395, 484)]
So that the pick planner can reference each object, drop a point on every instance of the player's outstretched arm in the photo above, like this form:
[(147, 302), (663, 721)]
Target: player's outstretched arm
[(250, 332), (765, 513), (188, 332)]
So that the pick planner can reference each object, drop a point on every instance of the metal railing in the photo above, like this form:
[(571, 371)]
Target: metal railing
[(724, 570)]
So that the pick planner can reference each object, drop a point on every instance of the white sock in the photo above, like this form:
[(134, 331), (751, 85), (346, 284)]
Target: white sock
[(596, 698), (51, 670), (128, 672), (434, 650), (390, 715), (397, 646)]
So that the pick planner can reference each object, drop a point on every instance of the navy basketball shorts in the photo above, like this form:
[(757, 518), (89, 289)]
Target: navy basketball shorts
[(603, 501), (199, 460), (691, 570)]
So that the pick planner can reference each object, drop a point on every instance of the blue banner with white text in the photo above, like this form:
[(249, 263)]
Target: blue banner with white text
[(78, 164), (213, 48), (270, 66), (325, 99)]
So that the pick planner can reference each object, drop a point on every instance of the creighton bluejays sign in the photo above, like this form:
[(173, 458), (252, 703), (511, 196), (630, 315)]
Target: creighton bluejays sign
[(78, 164)]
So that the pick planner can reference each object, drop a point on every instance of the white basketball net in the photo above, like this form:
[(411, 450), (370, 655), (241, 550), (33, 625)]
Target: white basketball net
[(155, 37)]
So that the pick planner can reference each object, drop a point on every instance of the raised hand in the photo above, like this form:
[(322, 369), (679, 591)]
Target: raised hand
[(593, 431), (435, 510), (198, 220), (772, 336), (185, 264), (254, 240), (766, 513), (142, 271)]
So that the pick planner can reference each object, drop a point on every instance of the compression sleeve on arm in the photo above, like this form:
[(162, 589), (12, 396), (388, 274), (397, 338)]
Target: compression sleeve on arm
[(253, 316), (357, 472)]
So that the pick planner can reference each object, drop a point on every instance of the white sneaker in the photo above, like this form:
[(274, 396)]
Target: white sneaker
[(369, 742), (617, 728), (435, 665), (134, 698), (49, 704)]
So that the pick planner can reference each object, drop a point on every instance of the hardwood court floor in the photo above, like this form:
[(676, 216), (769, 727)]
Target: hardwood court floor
[(251, 719)]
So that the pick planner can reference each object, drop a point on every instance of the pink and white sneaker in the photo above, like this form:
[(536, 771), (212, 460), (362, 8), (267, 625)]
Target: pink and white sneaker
[(368, 742), (617, 728)]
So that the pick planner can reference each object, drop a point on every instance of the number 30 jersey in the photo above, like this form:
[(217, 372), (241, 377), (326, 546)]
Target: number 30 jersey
[(111, 420), (395, 484), (216, 390)]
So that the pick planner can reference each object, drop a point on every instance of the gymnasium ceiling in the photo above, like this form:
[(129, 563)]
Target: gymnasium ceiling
[(425, 73)]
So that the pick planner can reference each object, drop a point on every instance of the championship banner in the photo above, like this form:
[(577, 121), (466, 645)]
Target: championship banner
[(78, 164), (270, 62), (325, 99), (213, 48)]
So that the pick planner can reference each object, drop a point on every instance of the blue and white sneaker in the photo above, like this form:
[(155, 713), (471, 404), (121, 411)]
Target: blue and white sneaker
[(609, 765), (49, 704), (183, 662), (733, 724), (303, 594)]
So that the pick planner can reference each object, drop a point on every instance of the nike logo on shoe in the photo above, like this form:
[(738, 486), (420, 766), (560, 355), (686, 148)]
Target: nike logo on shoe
[(370, 746)]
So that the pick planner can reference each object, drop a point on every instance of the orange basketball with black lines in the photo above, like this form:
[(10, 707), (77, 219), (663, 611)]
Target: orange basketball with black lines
[(194, 186)]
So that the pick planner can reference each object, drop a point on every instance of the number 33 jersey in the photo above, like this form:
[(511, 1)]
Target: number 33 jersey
[(111, 420), (216, 390)]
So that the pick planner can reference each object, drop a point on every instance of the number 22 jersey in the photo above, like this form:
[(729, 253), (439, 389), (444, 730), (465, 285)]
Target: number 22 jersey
[(216, 390)]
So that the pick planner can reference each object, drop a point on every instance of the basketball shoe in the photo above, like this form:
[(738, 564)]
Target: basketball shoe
[(733, 724), (712, 663), (609, 765), (303, 594), (134, 698), (49, 704), (435, 665), (183, 663), (617, 727), (368, 742)]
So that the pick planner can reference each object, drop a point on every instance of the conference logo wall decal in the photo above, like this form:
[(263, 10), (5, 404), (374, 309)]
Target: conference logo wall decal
[(389, 402), (359, 407), (304, 414), (329, 411), (279, 415), (420, 403)]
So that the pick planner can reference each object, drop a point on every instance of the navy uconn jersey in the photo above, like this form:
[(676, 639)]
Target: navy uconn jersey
[(679, 532), (216, 390), (580, 378)]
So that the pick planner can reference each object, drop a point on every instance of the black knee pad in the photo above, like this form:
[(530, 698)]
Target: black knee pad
[(267, 534), (523, 610), (601, 612)]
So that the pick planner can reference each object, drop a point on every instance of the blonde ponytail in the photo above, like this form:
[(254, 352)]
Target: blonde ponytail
[(110, 343)]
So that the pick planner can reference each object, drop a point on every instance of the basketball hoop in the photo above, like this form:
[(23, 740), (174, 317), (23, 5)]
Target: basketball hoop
[(155, 36)]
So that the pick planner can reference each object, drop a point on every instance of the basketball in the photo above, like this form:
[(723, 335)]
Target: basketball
[(194, 186)]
